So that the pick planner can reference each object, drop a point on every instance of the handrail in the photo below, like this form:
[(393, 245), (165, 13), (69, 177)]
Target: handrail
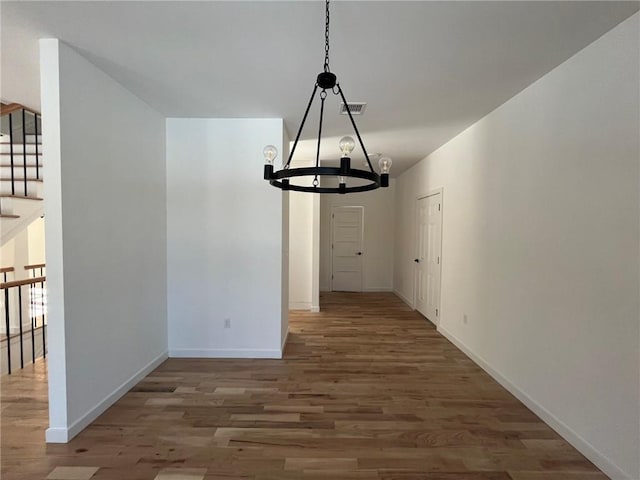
[(34, 266), (6, 109), (6, 269), (19, 283)]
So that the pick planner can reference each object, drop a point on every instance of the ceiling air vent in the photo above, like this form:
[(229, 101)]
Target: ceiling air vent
[(356, 108)]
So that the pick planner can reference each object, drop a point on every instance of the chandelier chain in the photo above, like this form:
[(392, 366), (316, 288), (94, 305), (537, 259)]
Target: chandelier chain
[(326, 38)]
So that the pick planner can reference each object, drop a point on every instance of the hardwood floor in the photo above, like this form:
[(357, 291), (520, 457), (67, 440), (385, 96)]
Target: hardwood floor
[(367, 390)]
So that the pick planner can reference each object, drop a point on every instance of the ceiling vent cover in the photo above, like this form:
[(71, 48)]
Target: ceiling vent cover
[(356, 108)]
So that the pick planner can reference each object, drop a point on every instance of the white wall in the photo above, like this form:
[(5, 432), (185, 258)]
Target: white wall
[(378, 236), (285, 249), (541, 246), (304, 236), (13, 253), (301, 250), (26, 248), (225, 239), (285, 272), (105, 238), (315, 254), (304, 240), (36, 241)]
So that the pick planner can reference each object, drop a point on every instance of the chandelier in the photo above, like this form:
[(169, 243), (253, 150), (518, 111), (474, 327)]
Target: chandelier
[(327, 82)]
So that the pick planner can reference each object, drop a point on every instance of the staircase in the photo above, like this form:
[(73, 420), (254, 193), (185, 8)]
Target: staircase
[(20, 169)]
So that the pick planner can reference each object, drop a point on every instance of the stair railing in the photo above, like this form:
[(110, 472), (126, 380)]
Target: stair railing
[(19, 120), (5, 271), (37, 269), (12, 296)]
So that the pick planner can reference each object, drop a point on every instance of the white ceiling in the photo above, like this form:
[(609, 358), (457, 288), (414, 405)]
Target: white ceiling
[(427, 69)]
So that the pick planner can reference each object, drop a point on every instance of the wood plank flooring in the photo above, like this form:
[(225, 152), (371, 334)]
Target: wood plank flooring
[(367, 390)]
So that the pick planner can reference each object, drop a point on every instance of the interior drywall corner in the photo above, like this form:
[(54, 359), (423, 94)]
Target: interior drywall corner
[(57, 361)]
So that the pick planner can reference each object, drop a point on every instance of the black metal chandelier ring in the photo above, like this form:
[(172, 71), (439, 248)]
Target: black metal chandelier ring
[(327, 81), (285, 174)]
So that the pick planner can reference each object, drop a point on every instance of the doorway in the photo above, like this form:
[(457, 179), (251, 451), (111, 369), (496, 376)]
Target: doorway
[(346, 249), (428, 256)]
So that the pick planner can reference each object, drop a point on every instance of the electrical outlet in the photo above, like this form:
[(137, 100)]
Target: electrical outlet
[(227, 323), (465, 320)]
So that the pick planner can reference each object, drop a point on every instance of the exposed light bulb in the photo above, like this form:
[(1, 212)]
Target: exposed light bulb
[(385, 164), (270, 153), (347, 144)]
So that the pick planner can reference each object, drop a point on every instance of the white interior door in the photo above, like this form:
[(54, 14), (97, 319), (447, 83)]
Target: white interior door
[(428, 260), (346, 249)]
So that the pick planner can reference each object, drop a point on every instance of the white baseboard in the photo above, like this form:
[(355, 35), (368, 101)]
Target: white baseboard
[(64, 435), (583, 446), (284, 343), (224, 353), (57, 435), (404, 299), (306, 306), (300, 306), (365, 289)]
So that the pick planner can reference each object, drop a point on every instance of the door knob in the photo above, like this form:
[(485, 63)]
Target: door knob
[(417, 260), (359, 253)]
